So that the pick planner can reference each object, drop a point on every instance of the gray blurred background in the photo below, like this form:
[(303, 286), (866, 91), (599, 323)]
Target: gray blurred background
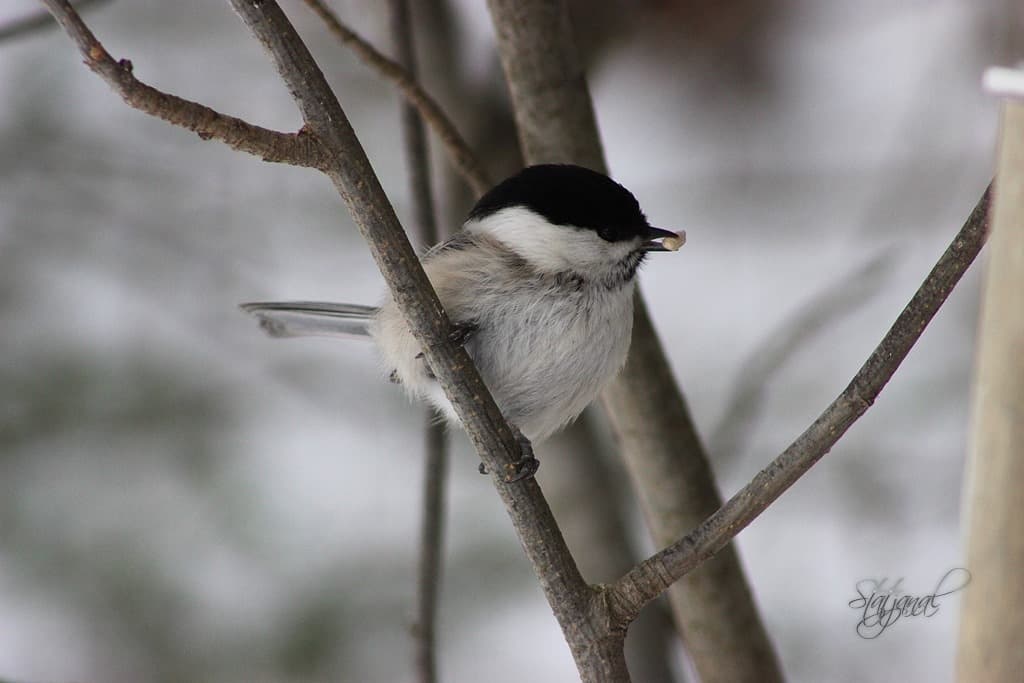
[(182, 499)]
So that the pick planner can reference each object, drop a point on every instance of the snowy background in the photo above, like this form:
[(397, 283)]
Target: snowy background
[(184, 499)]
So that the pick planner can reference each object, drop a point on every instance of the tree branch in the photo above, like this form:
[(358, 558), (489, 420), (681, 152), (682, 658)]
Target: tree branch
[(459, 152), (435, 461), (654, 575), (667, 464), (428, 570), (297, 149)]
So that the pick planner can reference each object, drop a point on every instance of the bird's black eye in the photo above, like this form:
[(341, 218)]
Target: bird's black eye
[(607, 234)]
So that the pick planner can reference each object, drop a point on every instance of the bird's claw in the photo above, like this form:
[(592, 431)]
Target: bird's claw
[(523, 468), (461, 333)]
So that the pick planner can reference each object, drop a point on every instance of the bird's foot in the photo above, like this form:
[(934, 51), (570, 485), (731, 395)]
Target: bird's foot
[(462, 333), (527, 465), (523, 468)]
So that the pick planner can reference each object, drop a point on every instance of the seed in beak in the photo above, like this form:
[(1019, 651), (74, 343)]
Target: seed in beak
[(675, 241)]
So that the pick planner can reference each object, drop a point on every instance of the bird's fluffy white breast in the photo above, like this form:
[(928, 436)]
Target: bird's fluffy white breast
[(544, 345)]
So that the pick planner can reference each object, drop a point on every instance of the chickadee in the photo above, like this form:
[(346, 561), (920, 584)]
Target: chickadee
[(539, 282)]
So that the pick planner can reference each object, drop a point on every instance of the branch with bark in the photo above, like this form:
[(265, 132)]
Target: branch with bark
[(651, 577), (296, 149)]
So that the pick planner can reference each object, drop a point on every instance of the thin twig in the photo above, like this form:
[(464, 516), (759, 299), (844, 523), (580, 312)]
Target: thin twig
[(459, 152), (414, 136), (297, 149), (787, 338), (435, 461), (38, 21), (652, 576)]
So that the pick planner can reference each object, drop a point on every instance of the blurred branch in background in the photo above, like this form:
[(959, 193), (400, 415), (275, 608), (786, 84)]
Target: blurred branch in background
[(713, 608), (38, 21), (460, 154), (435, 461), (992, 621), (650, 578), (749, 395)]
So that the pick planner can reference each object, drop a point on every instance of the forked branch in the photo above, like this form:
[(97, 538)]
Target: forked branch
[(297, 149), (652, 576)]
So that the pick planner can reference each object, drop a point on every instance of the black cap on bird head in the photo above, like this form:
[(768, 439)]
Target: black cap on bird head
[(576, 197)]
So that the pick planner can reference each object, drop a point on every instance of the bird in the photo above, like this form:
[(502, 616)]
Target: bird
[(538, 284)]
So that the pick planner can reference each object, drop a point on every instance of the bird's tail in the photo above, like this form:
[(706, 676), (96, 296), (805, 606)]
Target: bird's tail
[(312, 318)]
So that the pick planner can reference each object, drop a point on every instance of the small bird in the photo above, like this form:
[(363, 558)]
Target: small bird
[(539, 285)]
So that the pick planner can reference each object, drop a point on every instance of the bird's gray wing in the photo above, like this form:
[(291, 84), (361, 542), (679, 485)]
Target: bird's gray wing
[(312, 318)]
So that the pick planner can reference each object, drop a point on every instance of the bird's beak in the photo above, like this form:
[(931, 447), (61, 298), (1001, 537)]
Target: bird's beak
[(663, 240)]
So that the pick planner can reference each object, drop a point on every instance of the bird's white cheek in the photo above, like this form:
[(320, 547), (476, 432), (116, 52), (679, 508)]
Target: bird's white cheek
[(592, 252), (550, 248)]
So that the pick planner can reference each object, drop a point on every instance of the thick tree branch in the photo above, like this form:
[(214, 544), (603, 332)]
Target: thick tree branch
[(297, 149), (713, 607), (435, 461), (654, 575), (659, 443), (553, 109), (459, 152)]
